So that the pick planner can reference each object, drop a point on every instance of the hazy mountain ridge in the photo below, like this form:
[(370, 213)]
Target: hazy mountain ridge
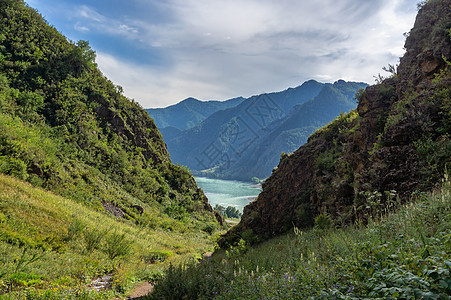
[(246, 141), (189, 112)]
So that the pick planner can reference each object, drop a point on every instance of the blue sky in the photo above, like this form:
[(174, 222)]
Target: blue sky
[(163, 51)]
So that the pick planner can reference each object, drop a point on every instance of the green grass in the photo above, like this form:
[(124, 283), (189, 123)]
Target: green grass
[(403, 255), (52, 247)]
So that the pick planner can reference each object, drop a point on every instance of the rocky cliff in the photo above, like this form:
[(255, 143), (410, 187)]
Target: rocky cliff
[(395, 144)]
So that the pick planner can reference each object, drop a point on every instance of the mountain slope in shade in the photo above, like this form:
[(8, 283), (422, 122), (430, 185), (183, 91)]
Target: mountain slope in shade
[(238, 143), (287, 134), (189, 112), (394, 146)]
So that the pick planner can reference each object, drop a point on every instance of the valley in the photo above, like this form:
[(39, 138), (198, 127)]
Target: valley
[(335, 190), (246, 140)]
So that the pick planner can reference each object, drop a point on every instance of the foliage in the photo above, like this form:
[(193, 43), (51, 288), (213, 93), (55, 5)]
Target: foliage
[(117, 245), (229, 212), (157, 256), (359, 95), (232, 212), (93, 238), (65, 127)]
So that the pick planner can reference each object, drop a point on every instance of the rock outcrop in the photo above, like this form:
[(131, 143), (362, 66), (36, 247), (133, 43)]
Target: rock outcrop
[(395, 143)]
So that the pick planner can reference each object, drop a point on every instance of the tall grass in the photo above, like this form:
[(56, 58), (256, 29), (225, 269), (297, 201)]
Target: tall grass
[(52, 247), (402, 255)]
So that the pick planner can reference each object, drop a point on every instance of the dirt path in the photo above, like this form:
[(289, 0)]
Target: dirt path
[(140, 290), (145, 288)]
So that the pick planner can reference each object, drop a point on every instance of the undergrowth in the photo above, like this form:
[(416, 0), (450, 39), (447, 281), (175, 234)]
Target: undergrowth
[(403, 255)]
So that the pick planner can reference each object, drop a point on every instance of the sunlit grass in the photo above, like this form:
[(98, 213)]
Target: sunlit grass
[(35, 223)]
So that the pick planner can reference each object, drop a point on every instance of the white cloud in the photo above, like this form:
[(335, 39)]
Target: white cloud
[(80, 27), (90, 14), (92, 20), (226, 48), (155, 87)]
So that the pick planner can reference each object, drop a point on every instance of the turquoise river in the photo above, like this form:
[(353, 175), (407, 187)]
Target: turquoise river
[(228, 192)]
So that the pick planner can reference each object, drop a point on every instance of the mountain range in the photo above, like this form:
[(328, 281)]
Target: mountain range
[(189, 112), (246, 140)]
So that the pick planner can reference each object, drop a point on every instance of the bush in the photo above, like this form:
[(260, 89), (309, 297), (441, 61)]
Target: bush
[(14, 167), (117, 245), (93, 237), (75, 229), (23, 279), (156, 256), (323, 222), (209, 228)]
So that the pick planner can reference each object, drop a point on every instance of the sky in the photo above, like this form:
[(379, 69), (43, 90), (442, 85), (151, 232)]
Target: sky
[(163, 51)]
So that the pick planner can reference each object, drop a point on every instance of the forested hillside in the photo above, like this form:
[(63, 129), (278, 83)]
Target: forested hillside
[(66, 127)]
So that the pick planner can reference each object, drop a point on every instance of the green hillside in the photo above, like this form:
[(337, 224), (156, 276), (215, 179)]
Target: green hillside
[(52, 247), (396, 141), (403, 255), (64, 127), (362, 210), (67, 128)]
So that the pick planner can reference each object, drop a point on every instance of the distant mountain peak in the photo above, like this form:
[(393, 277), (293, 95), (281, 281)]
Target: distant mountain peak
[(245, 141)]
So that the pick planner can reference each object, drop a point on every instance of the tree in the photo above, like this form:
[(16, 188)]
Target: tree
[(232, 212), (220, 209), (82, 57)]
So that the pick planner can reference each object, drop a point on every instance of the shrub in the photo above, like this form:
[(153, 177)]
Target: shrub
[(75, 229), (323, 222), (117, 245), (209, 228), (23, 279), (156, 256), (14, 167), (93, 237)]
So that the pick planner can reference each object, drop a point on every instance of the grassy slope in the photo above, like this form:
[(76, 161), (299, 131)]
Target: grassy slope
[(56, 229), (401, 255), (66, 128)]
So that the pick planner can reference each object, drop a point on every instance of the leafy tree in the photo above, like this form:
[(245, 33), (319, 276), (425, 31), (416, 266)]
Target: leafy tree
[(232, 212)]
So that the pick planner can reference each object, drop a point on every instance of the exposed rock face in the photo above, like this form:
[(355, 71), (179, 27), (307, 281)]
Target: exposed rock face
[(397, 140)]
